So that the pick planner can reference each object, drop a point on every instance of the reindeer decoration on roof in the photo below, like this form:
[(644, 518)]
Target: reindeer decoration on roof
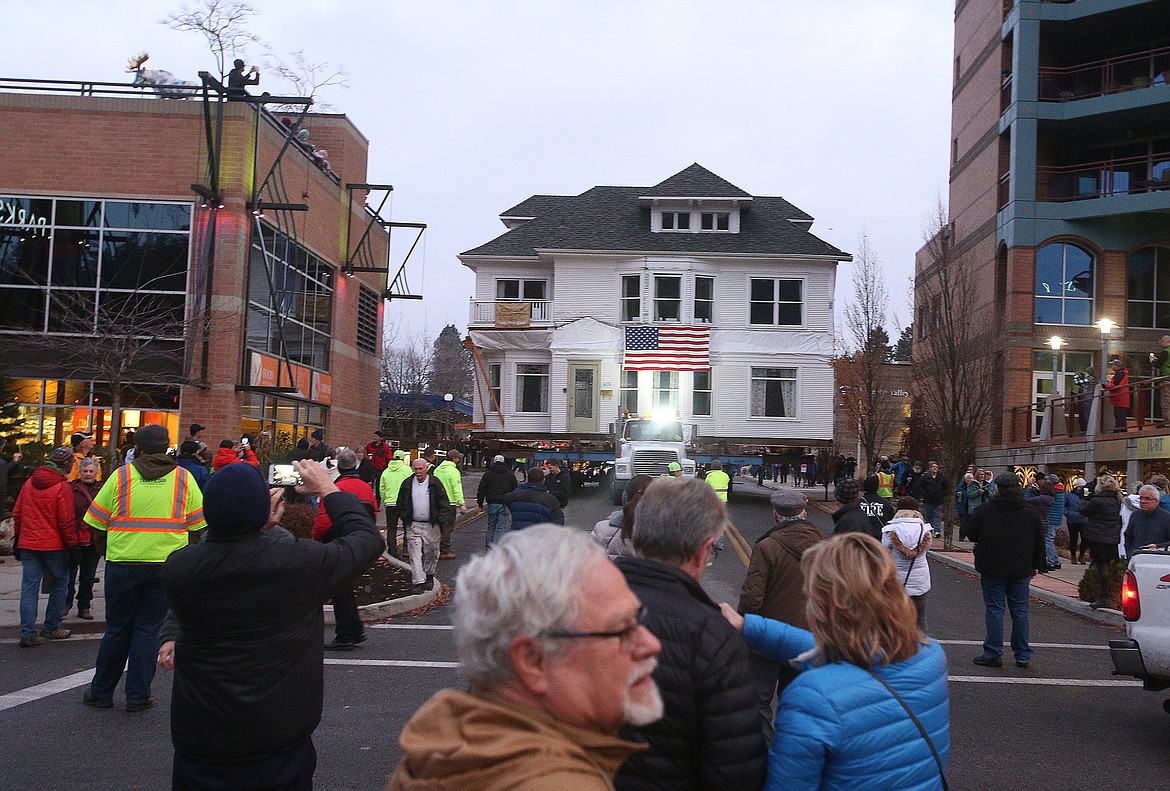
[(158, 79)]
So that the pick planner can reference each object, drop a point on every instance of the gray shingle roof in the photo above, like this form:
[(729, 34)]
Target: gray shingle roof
[(611, 219), (695, 182), (535, 206)]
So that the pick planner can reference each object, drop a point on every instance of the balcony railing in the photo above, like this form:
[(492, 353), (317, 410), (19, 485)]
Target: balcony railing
[(1071, 413), (509, 313), (1104, 77), (1126, 176)]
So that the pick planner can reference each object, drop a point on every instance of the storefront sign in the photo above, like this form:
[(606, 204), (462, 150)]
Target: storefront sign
[(12, 214), (322, 388), (268, 371), (1153, 447), (1109, 451)]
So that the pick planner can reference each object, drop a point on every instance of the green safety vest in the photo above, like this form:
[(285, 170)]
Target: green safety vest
[(145, 521), (720, 482), (885, 484), (448, 475)]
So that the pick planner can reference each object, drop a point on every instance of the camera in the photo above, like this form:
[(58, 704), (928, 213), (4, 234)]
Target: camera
[(284, 475), (244, 441)]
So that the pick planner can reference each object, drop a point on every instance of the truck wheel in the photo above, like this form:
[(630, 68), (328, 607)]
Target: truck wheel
[(617, 490)]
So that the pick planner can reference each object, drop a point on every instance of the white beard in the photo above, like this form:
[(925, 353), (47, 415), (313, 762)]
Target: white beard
[(648, 707)]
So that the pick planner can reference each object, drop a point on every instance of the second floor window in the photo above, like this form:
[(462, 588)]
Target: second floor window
[(704, 299), (773, 392), (1148, 288), (629, 394), (529, 290), (666, 390), (631, 297), (701, 393), (777, 303), (667, 298)]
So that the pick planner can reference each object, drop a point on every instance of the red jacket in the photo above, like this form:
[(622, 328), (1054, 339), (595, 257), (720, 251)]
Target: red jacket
[(226, 456), (1119, 388), (381, 453), (349, 482), (43, 516)]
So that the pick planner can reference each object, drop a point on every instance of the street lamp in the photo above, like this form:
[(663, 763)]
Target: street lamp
[(1055, 343), (1106, 326)]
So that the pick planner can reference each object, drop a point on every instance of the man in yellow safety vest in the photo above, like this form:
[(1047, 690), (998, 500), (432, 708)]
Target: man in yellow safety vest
[(143, 513), (885, 484)]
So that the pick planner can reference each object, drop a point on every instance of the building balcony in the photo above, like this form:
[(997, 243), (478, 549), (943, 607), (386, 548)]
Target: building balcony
[(510, 314), (1071, 418), (1148, 69), (1109, 187)]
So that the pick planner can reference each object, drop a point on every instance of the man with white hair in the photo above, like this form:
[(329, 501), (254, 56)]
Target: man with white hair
[(557, 663), (710, 736), (1149, 526)]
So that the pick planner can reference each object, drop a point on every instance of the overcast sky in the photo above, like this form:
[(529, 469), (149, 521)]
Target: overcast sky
[(473, 105)]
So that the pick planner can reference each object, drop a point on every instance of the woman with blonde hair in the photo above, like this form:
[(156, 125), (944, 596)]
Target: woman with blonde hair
[(870, 709)]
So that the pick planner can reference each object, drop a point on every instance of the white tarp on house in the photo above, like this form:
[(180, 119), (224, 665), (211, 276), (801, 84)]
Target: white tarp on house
[(512, 340), (756, 342), (587, 336)]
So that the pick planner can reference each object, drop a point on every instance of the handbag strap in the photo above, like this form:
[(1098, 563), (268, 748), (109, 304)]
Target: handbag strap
[(937, 759), (921, 536)]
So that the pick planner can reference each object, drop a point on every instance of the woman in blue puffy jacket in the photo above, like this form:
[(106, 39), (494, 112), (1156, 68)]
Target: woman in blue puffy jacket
[(838, 726)]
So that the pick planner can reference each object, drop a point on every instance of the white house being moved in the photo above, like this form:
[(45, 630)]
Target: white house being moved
[(691, 296)]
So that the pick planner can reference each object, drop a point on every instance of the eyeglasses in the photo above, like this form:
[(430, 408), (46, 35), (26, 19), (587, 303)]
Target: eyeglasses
[(1149, 499), (625, 636)]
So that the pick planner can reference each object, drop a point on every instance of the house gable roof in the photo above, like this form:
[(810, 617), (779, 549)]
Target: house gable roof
[(695, 182)]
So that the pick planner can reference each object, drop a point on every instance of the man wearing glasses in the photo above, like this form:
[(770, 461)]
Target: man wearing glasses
[(1149, 526), (557, 659), (710, 736)]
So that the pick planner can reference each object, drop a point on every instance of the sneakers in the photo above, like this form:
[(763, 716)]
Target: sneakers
[(60, 633), (141, 705), (31, 642), (85, 615), (988, 661), (97, 703), (1023, 664)]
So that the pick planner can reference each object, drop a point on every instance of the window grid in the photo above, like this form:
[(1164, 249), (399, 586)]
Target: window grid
[(776, 302), (704, 307), (701, 394), (532, 388), (494, 385), (520, 289), (666, 390), (667, 298), (773, 392), (1064, 285), (1148, 288), (631, 297), (629, 392)]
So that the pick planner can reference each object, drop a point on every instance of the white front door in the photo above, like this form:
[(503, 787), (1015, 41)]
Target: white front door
[(583, 397)]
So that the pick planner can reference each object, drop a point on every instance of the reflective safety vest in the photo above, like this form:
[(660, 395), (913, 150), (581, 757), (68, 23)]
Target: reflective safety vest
[(145, 521), (720, 482), (885, 485)]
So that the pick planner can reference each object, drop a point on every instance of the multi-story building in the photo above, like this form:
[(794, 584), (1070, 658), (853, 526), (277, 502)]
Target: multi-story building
[(691, 296), (1059, 192), (231, 252)]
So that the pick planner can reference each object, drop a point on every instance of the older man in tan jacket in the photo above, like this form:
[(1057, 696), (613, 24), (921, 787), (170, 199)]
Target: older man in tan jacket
[(557, 663)]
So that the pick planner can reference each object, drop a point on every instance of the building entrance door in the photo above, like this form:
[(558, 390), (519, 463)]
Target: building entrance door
[(582, 398)]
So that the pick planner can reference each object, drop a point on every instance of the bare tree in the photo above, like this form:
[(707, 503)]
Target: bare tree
[(223, 23), (406, 365), (954, 362), (306, 78), (863, 373)]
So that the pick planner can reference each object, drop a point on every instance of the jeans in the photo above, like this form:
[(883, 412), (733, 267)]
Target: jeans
[(1015, 590), (933, 515), (446, 526), (499, 519), (36, 564), (81, 578), (1050, 545), (135, 608)]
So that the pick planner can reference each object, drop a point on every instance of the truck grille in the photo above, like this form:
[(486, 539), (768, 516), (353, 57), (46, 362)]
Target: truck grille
[(652, 462)]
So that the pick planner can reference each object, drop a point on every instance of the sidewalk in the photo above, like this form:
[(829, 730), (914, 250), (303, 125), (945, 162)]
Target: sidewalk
[(11, 574), (1058, 588)]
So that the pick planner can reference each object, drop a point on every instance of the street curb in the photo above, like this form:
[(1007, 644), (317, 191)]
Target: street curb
[(1074, 606)]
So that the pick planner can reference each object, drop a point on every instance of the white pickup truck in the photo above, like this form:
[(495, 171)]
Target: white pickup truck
[(1145, 603)]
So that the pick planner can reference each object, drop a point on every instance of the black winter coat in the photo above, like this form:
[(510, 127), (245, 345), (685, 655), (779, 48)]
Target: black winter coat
[(249, 661), (1009, 538), (1103, 510), (438, 494), (559, 485), (931, 490), (863, 516), (710, 736), (497, 482)]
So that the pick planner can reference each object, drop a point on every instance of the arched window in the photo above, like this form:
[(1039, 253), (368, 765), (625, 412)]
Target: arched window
[(1148, 287), (1064, 285)]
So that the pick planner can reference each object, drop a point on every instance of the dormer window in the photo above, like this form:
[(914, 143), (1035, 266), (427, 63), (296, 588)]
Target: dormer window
[(676, 220), (516, 289), (715, 221)]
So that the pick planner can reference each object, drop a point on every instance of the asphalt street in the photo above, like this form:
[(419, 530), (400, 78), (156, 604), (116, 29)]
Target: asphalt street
[(1064, 723)]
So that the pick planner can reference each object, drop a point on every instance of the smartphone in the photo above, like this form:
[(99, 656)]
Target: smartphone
[(244, 441), (284, 475)]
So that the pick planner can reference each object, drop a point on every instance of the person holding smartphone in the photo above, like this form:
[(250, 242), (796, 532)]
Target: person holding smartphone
[(230, 452)]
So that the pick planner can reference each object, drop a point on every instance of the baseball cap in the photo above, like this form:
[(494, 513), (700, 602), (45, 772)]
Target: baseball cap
[(197, 427), (674, 466), (399, 454), (498, 458)]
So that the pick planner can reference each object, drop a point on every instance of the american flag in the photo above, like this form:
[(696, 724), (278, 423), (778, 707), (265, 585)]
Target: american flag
[(668, 349)]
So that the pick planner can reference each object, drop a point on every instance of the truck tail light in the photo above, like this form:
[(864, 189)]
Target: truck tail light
[(1131, 605)]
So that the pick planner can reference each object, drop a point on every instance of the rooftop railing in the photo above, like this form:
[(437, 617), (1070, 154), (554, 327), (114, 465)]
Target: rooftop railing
[(1150, 68), (1072, 415)]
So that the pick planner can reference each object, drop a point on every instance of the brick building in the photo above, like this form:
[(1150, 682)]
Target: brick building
[(1059, 188), (242, 253)]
